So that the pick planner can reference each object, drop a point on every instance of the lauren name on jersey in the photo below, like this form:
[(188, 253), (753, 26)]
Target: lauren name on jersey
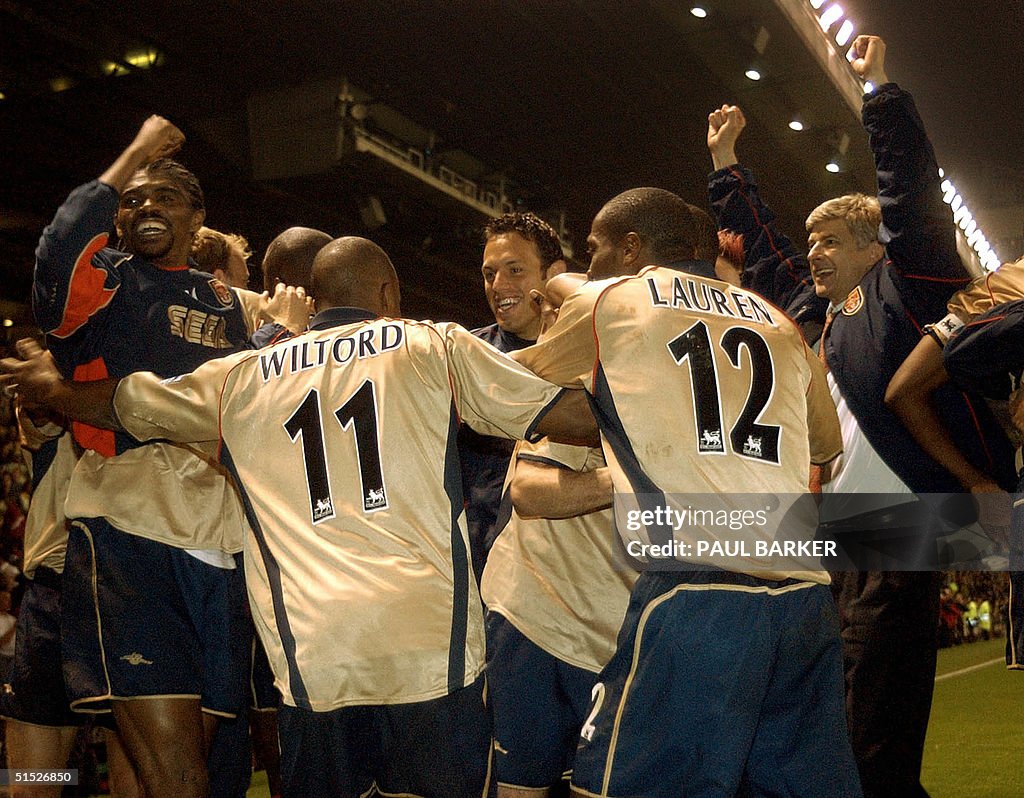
[(303, 354), (700, 297)]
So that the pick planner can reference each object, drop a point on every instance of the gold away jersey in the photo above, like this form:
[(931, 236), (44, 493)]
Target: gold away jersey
[(343, 442), (559, 582), (51, 459), (699, 388), (1005, 284)]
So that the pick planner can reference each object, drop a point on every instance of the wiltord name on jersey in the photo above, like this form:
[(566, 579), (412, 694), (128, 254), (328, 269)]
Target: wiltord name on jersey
[(701, 297), (303, 354)]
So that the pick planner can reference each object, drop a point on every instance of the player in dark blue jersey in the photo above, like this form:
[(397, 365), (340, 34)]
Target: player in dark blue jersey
[(521, 252), (152, 598)]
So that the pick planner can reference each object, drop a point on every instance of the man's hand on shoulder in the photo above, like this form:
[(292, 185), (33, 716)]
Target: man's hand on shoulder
[(289, 307), (556, 290)]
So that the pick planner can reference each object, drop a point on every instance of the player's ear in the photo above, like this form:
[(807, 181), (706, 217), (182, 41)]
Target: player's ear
[(198, 217), (390, 299), (631, 248)]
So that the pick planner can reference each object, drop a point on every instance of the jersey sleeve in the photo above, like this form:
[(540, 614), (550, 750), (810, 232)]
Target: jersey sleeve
[(773, 266), (985, 292), (558, 455), (251, 304), (183, 409), (986, 354), (493, 393), (567, 352), (917, 227), (76, 277), (826, 437)]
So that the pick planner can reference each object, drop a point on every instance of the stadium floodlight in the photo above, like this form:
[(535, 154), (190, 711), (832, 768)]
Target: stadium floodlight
[(830, 16), (845, 33)]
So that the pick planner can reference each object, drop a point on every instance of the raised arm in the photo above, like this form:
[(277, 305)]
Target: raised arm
[(157, 138), (74, 278), (917, 227), (773, 266)]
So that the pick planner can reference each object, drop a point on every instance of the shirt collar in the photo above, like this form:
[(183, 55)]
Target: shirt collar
[(700, 268), (335, 317)]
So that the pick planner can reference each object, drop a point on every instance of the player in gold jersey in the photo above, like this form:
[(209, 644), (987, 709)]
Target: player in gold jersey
[(725, 678), (357, 563)]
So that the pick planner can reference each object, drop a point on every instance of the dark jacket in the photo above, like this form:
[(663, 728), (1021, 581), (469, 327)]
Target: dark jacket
[(907, 289)]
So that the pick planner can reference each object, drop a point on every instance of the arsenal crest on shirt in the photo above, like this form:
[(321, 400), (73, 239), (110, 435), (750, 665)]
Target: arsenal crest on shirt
[(222, 292), (854, 302)]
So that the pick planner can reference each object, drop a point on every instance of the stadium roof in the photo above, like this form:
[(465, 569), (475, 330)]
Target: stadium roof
[(555, 106)]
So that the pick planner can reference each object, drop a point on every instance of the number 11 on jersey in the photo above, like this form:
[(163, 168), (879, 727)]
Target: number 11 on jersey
[(358, 413)]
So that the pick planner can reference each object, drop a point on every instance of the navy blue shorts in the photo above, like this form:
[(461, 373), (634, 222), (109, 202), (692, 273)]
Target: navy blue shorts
[(142, 618), (34, 692), (429, 749), (539, 704), (263, 695), (722, 684)]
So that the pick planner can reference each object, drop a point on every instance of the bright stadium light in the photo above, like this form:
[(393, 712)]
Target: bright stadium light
[(830, 16), (845, 33)]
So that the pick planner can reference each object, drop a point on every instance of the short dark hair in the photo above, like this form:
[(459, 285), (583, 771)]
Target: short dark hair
[(531, 227), (669, 227), (180, 175)]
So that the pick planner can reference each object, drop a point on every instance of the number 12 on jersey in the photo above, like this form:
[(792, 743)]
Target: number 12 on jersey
[(747, 437), (358, 413)]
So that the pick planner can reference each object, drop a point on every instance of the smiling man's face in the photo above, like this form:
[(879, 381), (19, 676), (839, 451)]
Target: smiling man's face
[(155, 220), (512, 267), (837, 262)]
